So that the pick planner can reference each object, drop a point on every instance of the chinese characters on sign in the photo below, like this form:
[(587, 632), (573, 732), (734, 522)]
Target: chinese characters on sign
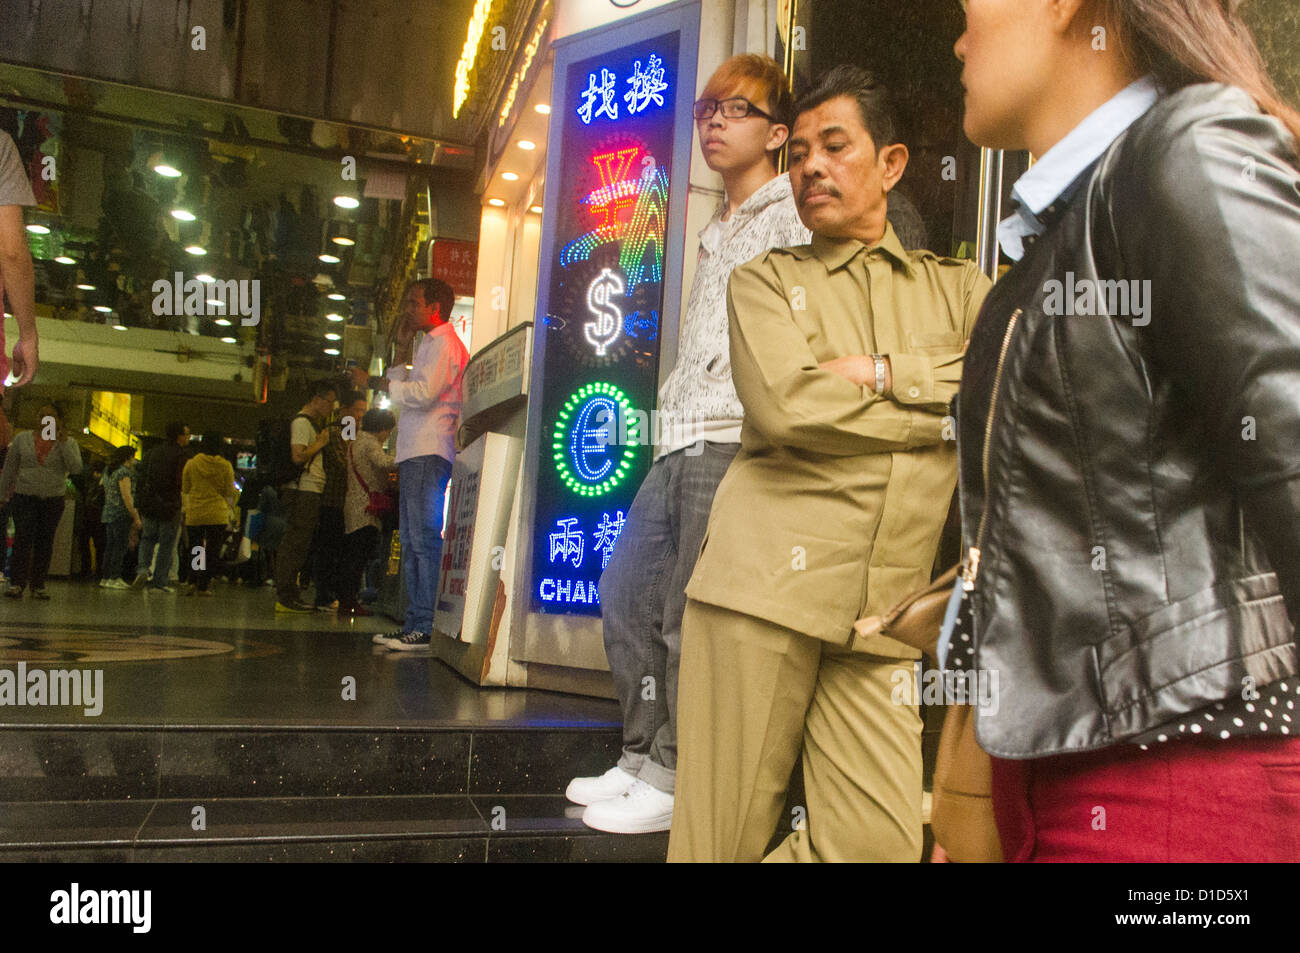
[(567, 547), (646, 86)]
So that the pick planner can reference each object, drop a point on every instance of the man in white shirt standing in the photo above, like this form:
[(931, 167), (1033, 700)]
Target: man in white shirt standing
[(427, 393), (743, 121)]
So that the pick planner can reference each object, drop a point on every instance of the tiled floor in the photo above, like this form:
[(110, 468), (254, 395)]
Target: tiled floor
[(169, 660)]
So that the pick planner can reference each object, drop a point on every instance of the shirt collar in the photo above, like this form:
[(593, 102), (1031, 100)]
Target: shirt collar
[(835, 253), (1061, 165), (776, 190)]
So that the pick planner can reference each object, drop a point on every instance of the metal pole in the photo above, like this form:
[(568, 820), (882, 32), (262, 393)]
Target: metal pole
[(990, 212)]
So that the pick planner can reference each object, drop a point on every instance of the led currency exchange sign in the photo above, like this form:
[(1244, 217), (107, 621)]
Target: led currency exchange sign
[(602, 314)]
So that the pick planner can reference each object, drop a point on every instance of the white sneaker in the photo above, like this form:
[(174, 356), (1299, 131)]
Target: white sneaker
[(641, 809), (118, 584), (590, 790)]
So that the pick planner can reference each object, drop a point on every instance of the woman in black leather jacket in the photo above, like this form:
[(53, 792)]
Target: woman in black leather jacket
[(1129, 436)]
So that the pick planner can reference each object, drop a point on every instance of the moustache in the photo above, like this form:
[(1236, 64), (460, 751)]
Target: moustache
[(811, 190)]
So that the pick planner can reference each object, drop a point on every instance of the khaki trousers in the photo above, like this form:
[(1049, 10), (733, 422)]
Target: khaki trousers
[(751, 696)]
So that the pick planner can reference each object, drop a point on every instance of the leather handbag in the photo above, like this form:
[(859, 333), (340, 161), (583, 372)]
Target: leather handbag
[(961, 813)]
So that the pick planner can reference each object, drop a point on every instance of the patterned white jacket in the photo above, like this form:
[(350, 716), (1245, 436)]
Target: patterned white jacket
[(698, 401)]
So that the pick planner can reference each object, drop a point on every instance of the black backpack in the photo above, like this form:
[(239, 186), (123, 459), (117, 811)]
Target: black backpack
[(275, 466)]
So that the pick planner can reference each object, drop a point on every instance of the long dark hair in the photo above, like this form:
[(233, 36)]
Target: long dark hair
[(1182, 42)]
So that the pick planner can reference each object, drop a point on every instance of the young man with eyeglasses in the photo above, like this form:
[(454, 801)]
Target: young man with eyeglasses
[(742, 121)]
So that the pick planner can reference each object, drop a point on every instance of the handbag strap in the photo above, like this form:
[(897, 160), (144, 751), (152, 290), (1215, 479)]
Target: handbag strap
[(360, 478)]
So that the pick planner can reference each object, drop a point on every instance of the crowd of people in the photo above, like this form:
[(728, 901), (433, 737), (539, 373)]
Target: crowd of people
[(314, 507)]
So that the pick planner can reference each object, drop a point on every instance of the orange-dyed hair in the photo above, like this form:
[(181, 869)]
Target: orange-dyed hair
[(756, 77)]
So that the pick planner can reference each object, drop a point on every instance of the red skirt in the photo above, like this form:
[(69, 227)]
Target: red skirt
[(1182, 801)]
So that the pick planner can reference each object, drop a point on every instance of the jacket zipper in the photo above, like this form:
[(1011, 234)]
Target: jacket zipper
[(971, 563)]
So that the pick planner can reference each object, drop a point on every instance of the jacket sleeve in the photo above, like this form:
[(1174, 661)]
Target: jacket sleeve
[(1219, 240), (789, 399), (71, 456), (930, 381)]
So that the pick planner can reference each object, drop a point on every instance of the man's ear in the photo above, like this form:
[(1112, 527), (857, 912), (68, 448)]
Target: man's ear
[(893, 160)]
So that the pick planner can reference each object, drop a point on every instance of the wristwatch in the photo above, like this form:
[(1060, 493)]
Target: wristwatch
[(880, 372)]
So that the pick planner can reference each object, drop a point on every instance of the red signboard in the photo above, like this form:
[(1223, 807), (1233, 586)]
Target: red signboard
[(455, 263)]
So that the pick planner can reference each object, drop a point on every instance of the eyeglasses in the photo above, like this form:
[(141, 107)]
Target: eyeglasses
[(737, 108)]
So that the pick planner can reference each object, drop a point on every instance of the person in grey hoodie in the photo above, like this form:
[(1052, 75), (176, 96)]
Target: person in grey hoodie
[(743, 121), (35, 475)]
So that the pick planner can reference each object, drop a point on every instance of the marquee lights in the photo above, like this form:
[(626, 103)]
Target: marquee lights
[(521, 74), (584, 448), (477, 24)]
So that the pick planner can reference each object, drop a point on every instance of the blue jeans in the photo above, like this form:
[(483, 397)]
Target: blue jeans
[(118, 533), (160, 533), (422, 483), (643, 598)]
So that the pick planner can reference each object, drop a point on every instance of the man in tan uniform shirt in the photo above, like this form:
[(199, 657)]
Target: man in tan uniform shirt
[(832, 509)]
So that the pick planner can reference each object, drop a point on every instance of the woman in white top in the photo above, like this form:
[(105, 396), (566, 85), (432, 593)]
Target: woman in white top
[(369, 468)]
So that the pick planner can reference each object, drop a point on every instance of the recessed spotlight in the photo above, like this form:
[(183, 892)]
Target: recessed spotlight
[(536, 209), (85, 287), (496, 202), (333, 317), (331, 336), (346, 201), (343, 240), (329, 259), (223, 322), (205, 278), (510, 176), (103, 309), (332, 351), (119, 327), (527, 145), (167, 171), (38, 229), (335, 296), (181, 215), (216, 303), (230, 340), (65, 260), (196, 250), (542, 108)]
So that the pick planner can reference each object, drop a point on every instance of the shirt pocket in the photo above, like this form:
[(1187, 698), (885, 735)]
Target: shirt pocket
[(940, 342)]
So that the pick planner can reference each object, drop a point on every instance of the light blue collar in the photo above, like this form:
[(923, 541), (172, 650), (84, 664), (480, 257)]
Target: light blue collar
[(1043, 184)]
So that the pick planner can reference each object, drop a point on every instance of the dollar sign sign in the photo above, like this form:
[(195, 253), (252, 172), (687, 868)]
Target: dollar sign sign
[(602, 332)]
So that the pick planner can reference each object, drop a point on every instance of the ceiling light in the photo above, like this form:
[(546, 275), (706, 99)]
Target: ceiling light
[(526, 144), (346, 201), (205, 278), (335, 296), (103, 309), (333, 317), (223, 322), (497, 202), (343, 240), (85, 287), (196, 249), (65, 260), (329, 259), (332, 351), (167, 171), (537, 209), (230, 340), (182, 216), (331, 336), (216, 303), (542, 108), (38, 229), (119, 327), (510, 176)]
